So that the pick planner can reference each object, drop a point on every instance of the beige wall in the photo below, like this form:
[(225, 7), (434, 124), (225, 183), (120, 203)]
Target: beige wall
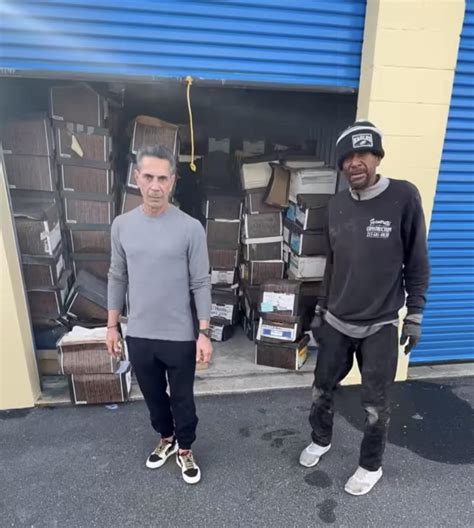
[(407, 72), (19, 383)]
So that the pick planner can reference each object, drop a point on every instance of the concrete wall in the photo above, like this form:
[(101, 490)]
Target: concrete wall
[(407, 73), (19, 382)]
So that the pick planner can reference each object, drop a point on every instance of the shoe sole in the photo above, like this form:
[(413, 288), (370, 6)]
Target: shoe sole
[(162, 462), (189, 480), (356, 494)]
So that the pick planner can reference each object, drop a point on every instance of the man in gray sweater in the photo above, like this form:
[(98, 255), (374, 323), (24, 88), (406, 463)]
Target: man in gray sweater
[(159, 255)]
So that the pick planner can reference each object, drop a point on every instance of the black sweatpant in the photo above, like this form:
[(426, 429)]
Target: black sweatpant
[(377, 357), (154, 361)]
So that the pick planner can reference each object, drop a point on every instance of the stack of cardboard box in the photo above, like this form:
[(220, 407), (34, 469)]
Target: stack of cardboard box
[(28, 146), (86, 174), (286, 309), (146, 131), (93, 375), (222, 214)]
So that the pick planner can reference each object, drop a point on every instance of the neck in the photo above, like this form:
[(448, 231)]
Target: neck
[(155, 211)]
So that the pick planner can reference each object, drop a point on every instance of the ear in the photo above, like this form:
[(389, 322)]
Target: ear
[(136, 172)]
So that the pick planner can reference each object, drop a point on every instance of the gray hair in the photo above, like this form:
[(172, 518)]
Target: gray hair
[(157, 151)]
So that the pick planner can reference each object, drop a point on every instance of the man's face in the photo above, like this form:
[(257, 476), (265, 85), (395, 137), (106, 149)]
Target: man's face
[(155, 181), (360, 168)]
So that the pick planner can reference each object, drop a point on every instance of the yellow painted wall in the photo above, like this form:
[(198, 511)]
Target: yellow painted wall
[(19, 382), (408, 63)]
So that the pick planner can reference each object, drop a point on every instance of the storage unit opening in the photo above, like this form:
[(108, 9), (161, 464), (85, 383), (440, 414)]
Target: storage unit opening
[(265, 171)]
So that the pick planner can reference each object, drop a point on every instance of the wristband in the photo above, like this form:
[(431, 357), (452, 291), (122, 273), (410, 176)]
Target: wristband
[(113, 326)]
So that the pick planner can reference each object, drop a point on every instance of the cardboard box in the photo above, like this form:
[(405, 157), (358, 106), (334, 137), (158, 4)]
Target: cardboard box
[(263, 250), (221, 332), (224, 307), (307, 268), (30, 136), (87, 300), (37, 173), (223, 258), (223, 234), (275, 327), (88, 208), (37, 224), (264, 227), (311, 210), (79, 144), (219, 145), (222, 207), (255, 202), (223, 276), (279, 186), (49, 302), (89, 238), (48, 362), (95, 264), (250, 327), (84, 351), (87, 389), (257, 271), (149, 130), (312, 181), (253, 148), (86, 179), (308, 243), (130, 200), (216, 172), (78, 103), (255, 175), (43, 271), (291, 356)]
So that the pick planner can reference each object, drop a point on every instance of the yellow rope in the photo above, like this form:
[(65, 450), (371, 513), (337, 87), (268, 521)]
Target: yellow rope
[(189, 82)]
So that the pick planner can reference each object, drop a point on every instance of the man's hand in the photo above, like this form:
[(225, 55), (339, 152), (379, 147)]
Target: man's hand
[(203, 349), (114, 342), (411, 333)]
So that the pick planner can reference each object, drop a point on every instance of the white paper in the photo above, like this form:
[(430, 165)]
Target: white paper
[(222, 311), (79, 334), (222, 277)]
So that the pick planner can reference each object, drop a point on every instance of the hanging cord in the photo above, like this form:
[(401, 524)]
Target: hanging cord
[(189, 82)]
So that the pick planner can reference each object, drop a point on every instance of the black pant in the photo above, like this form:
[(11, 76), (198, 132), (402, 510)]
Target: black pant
[(153, 360), (377, 357)]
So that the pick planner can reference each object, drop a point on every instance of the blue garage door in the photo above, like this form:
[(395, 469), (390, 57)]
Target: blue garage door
[(308, 43), (449, 320)]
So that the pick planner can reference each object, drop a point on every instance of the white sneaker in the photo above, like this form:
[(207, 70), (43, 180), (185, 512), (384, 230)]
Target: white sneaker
[(362, 481), (189, 469), (161, 454), (310, 455)]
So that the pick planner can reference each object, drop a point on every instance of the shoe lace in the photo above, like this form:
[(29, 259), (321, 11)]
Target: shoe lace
[(188, 461), (161, 448)]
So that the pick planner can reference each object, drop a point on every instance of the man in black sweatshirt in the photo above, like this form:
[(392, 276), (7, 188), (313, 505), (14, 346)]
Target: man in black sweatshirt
[(377, 263)]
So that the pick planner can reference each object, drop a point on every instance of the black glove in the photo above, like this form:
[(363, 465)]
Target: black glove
[(411, 333)]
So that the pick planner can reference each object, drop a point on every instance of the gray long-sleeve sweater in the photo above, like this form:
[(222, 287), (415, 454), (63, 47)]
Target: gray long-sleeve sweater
[(161, 260)]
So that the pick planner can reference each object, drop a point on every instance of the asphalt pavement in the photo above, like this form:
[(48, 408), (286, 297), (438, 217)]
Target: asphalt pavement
[(84, 466)]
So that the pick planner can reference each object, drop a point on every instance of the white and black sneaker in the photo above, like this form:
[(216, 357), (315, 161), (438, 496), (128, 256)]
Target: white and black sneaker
[(161, 453), (189, 469)]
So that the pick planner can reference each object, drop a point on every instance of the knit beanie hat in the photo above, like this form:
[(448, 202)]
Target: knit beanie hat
[(362, 136)]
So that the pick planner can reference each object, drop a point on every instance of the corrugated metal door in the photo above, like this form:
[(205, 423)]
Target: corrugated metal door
[(449, 320), (309, 43)]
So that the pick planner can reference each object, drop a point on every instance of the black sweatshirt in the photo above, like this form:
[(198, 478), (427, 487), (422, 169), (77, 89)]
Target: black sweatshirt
[(378, 251)]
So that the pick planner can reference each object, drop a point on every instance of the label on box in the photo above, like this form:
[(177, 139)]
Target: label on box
[(254, 147), (222, 311), (279, 302), (291, 212), (300, 216), (216, 332), (284, 333), (266, 307), (302, 356), (59, 266), (51, 238), (295, 242), (222, 277)]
